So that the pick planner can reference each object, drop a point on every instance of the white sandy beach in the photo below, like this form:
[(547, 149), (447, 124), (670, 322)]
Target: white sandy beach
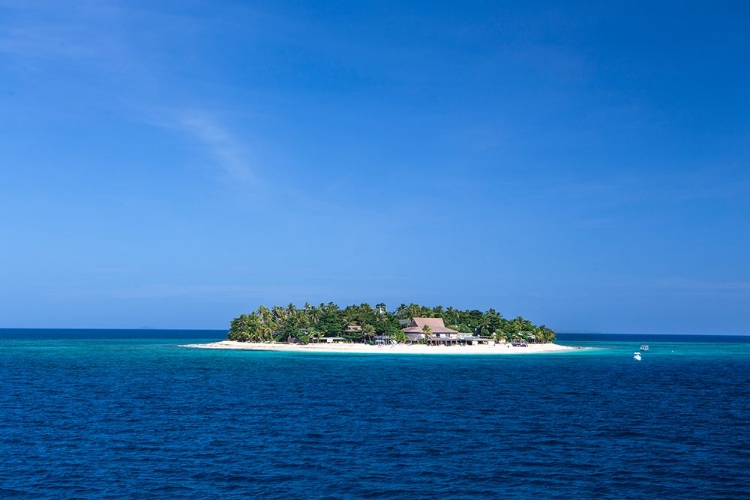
[(385, 349)]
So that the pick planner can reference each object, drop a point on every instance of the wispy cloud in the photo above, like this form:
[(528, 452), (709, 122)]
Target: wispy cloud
[(92, 38), (93, 44), (230, 154)]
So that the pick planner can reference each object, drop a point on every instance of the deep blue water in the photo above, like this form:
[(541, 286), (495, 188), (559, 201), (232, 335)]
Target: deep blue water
[(131, 414)]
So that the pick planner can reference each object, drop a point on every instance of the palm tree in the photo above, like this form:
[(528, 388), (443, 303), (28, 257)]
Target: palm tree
[(452, 315), (314, 314), (500, 336), (427, 332), (368, 331), (401, 311), (315, 333), (265, 314), (485, 325), (414, 310), (301, 318), (291, 309), (545, 335), (240, 329), (279, 314)]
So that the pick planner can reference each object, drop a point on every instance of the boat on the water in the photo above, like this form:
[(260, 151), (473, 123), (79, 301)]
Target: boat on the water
[(637, 356), (644, 347)]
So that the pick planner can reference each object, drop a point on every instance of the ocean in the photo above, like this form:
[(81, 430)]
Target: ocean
[(132, 414)]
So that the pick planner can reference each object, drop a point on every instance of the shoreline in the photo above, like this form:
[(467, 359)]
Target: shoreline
[(497, 349)]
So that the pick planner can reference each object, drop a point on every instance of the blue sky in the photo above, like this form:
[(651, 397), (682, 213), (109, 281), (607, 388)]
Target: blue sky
[(177, 163)]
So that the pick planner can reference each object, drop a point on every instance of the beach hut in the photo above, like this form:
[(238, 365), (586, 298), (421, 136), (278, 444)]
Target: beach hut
[(353, 328)]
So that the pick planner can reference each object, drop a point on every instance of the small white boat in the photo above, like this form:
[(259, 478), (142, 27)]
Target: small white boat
[(644, 347), (637, 356)]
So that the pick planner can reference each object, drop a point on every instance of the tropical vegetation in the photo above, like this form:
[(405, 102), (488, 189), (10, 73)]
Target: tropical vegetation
[(365, 323)]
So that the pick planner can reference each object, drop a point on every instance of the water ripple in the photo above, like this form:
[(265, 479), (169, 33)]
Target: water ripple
[(145, 421)]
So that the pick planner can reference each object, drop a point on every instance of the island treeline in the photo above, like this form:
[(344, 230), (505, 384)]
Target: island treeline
[(365, 323)]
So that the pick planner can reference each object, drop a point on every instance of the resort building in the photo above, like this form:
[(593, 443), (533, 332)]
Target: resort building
[(352, 329), (437, 330), (439, 333)]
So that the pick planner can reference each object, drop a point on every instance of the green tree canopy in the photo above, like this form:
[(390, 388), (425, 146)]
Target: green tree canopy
[(329, 320)]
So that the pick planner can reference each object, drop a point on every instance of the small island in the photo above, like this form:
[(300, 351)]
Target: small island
[(363, 328)]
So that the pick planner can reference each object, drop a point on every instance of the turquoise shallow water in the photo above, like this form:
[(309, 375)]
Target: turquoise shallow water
[(112, 414)]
